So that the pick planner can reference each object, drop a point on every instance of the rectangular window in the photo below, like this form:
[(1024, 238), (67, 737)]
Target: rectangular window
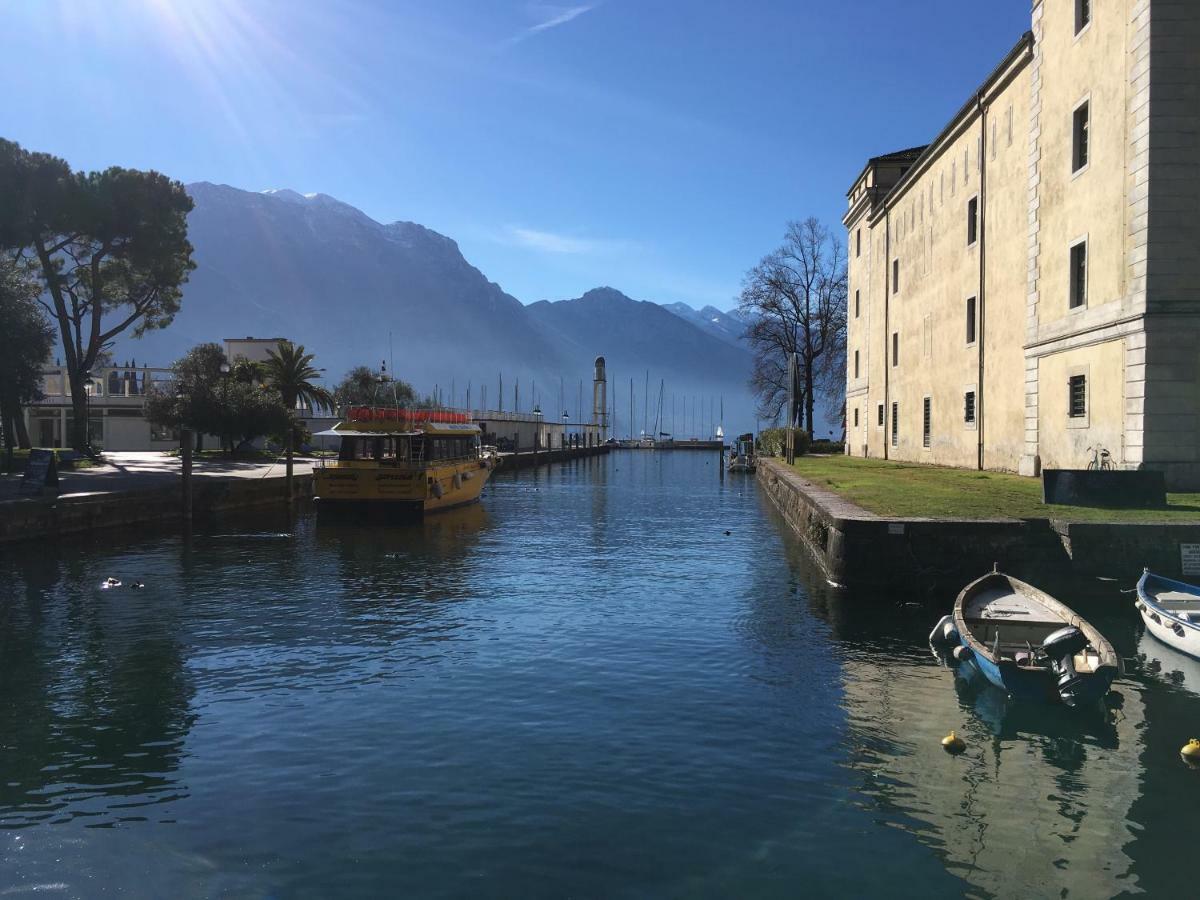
[(972, 221), (1083, 14), (925, 422), (895, 420), (895, 348), (1077, 401), (880, 415), (858, 242), (969, 407), (1079, 292), (856, 304), (856, 417), (1079, 137), (895, 276), (970, 320), (855, 363)]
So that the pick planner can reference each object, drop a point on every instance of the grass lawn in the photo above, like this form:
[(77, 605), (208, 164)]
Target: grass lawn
[(909, 490)]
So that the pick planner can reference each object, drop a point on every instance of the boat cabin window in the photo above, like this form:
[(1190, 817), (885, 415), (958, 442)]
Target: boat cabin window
[(385, 448), (451, 447)]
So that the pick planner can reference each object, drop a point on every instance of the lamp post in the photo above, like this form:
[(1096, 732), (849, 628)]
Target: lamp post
[(537, 431), (566, 417), (225, 437), (87, 413), (185, 452)]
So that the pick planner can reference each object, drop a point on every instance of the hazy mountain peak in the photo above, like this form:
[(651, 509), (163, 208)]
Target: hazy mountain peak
[(285, 194)]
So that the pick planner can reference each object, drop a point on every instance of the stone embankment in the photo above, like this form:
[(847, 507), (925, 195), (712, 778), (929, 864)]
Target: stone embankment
[(859, 549), (40, 517), (526, 458)]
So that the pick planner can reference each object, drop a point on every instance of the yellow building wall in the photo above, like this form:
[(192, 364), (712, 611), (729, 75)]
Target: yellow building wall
[(1065, 441), (1091, 203), (925, 230), (1006, 286)]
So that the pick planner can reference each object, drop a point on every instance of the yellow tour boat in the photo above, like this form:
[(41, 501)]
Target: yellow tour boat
[(413, 461)]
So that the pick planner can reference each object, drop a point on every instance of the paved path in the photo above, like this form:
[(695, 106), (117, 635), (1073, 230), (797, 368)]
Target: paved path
[(131, 471)]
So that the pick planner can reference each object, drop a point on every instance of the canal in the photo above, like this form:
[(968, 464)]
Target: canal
[(618, 677)]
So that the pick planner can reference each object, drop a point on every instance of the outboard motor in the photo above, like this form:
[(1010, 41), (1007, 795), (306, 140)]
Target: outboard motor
[(1060, 648)]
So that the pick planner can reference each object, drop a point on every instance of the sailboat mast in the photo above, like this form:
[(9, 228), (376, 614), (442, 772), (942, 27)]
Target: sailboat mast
[(646, 404)]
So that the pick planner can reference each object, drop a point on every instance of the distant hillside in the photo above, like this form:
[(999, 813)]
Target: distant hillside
[(355, 292)]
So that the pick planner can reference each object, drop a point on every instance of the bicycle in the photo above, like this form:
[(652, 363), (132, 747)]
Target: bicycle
[(1101, 460)]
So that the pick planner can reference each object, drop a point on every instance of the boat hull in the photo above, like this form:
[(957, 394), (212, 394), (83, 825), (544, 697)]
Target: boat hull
[(995, 606), (407, 491), (1165, 625)]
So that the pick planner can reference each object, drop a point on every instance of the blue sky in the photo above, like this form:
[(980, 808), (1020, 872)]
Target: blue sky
[(658, 147)]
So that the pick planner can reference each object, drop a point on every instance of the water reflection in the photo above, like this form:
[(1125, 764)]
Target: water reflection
[(96, 700)]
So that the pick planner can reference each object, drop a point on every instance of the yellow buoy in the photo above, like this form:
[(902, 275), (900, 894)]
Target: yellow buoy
[(1191, 752), (952, 743)]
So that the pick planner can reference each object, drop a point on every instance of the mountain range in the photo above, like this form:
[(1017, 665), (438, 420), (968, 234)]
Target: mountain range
[(320, 272)]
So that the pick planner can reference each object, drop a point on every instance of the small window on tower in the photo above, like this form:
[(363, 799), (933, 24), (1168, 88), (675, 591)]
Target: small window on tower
[(972, 221), (880, 415), (1079, 285), (1083, 14), (970, 320), (969, 407), (1079, 136), (895, 426), (926, 423)]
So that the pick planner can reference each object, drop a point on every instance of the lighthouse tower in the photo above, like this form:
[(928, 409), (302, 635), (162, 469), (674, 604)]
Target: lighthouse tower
[(600, 401)]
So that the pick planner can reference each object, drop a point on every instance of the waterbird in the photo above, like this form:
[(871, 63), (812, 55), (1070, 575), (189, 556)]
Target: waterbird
[(954, 744), (110, 582), (136, 585), (1191, 752)]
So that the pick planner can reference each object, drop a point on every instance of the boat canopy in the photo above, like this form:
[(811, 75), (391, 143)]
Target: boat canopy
[(351, 432)]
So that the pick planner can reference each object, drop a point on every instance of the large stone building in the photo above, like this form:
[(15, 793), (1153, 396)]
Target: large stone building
[(1026, 288)]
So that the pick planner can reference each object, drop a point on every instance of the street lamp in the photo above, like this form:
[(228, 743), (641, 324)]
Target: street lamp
[(225, 438), (87, 412), (537, 426), (185, 453)]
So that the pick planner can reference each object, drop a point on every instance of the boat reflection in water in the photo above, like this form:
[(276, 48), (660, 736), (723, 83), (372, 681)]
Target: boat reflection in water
[(1039, 803)]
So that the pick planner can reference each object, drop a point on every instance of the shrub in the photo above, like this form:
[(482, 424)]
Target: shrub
[(773, 441)]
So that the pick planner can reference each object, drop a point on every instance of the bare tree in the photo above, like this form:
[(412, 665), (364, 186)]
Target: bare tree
[(795, 301)]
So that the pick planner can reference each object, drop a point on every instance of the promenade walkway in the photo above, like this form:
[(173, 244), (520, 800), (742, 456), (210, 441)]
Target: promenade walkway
[(147, 470)]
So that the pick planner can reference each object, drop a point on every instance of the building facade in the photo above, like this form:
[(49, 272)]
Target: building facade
[(1025, 290)]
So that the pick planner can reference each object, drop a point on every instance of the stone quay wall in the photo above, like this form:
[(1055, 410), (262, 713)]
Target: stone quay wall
[(32, 518), (859, 549)]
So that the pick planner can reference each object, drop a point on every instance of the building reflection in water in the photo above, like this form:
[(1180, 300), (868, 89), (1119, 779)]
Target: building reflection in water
[(1038, 805), (96, 697)]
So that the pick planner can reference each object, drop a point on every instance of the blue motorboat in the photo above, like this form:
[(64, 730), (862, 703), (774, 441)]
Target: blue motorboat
[(1170, 611), (1028, 643)]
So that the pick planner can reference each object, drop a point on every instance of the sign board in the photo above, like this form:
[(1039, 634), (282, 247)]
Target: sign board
[(1189, 558), (40, 472), (895, 528)]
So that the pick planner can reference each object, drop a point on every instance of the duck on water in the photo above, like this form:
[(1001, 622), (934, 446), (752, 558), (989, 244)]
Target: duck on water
[(1027, 642)]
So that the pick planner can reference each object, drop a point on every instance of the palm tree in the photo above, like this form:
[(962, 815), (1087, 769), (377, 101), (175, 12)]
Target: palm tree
[(289, 371)]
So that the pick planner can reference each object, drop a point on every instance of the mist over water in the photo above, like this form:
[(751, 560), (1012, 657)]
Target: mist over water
[(582, 686)]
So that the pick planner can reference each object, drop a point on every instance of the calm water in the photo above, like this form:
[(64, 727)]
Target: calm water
[(583, 687)]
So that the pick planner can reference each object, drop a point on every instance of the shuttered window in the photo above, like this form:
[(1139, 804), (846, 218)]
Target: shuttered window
[(1077, 403), (926, 423)]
